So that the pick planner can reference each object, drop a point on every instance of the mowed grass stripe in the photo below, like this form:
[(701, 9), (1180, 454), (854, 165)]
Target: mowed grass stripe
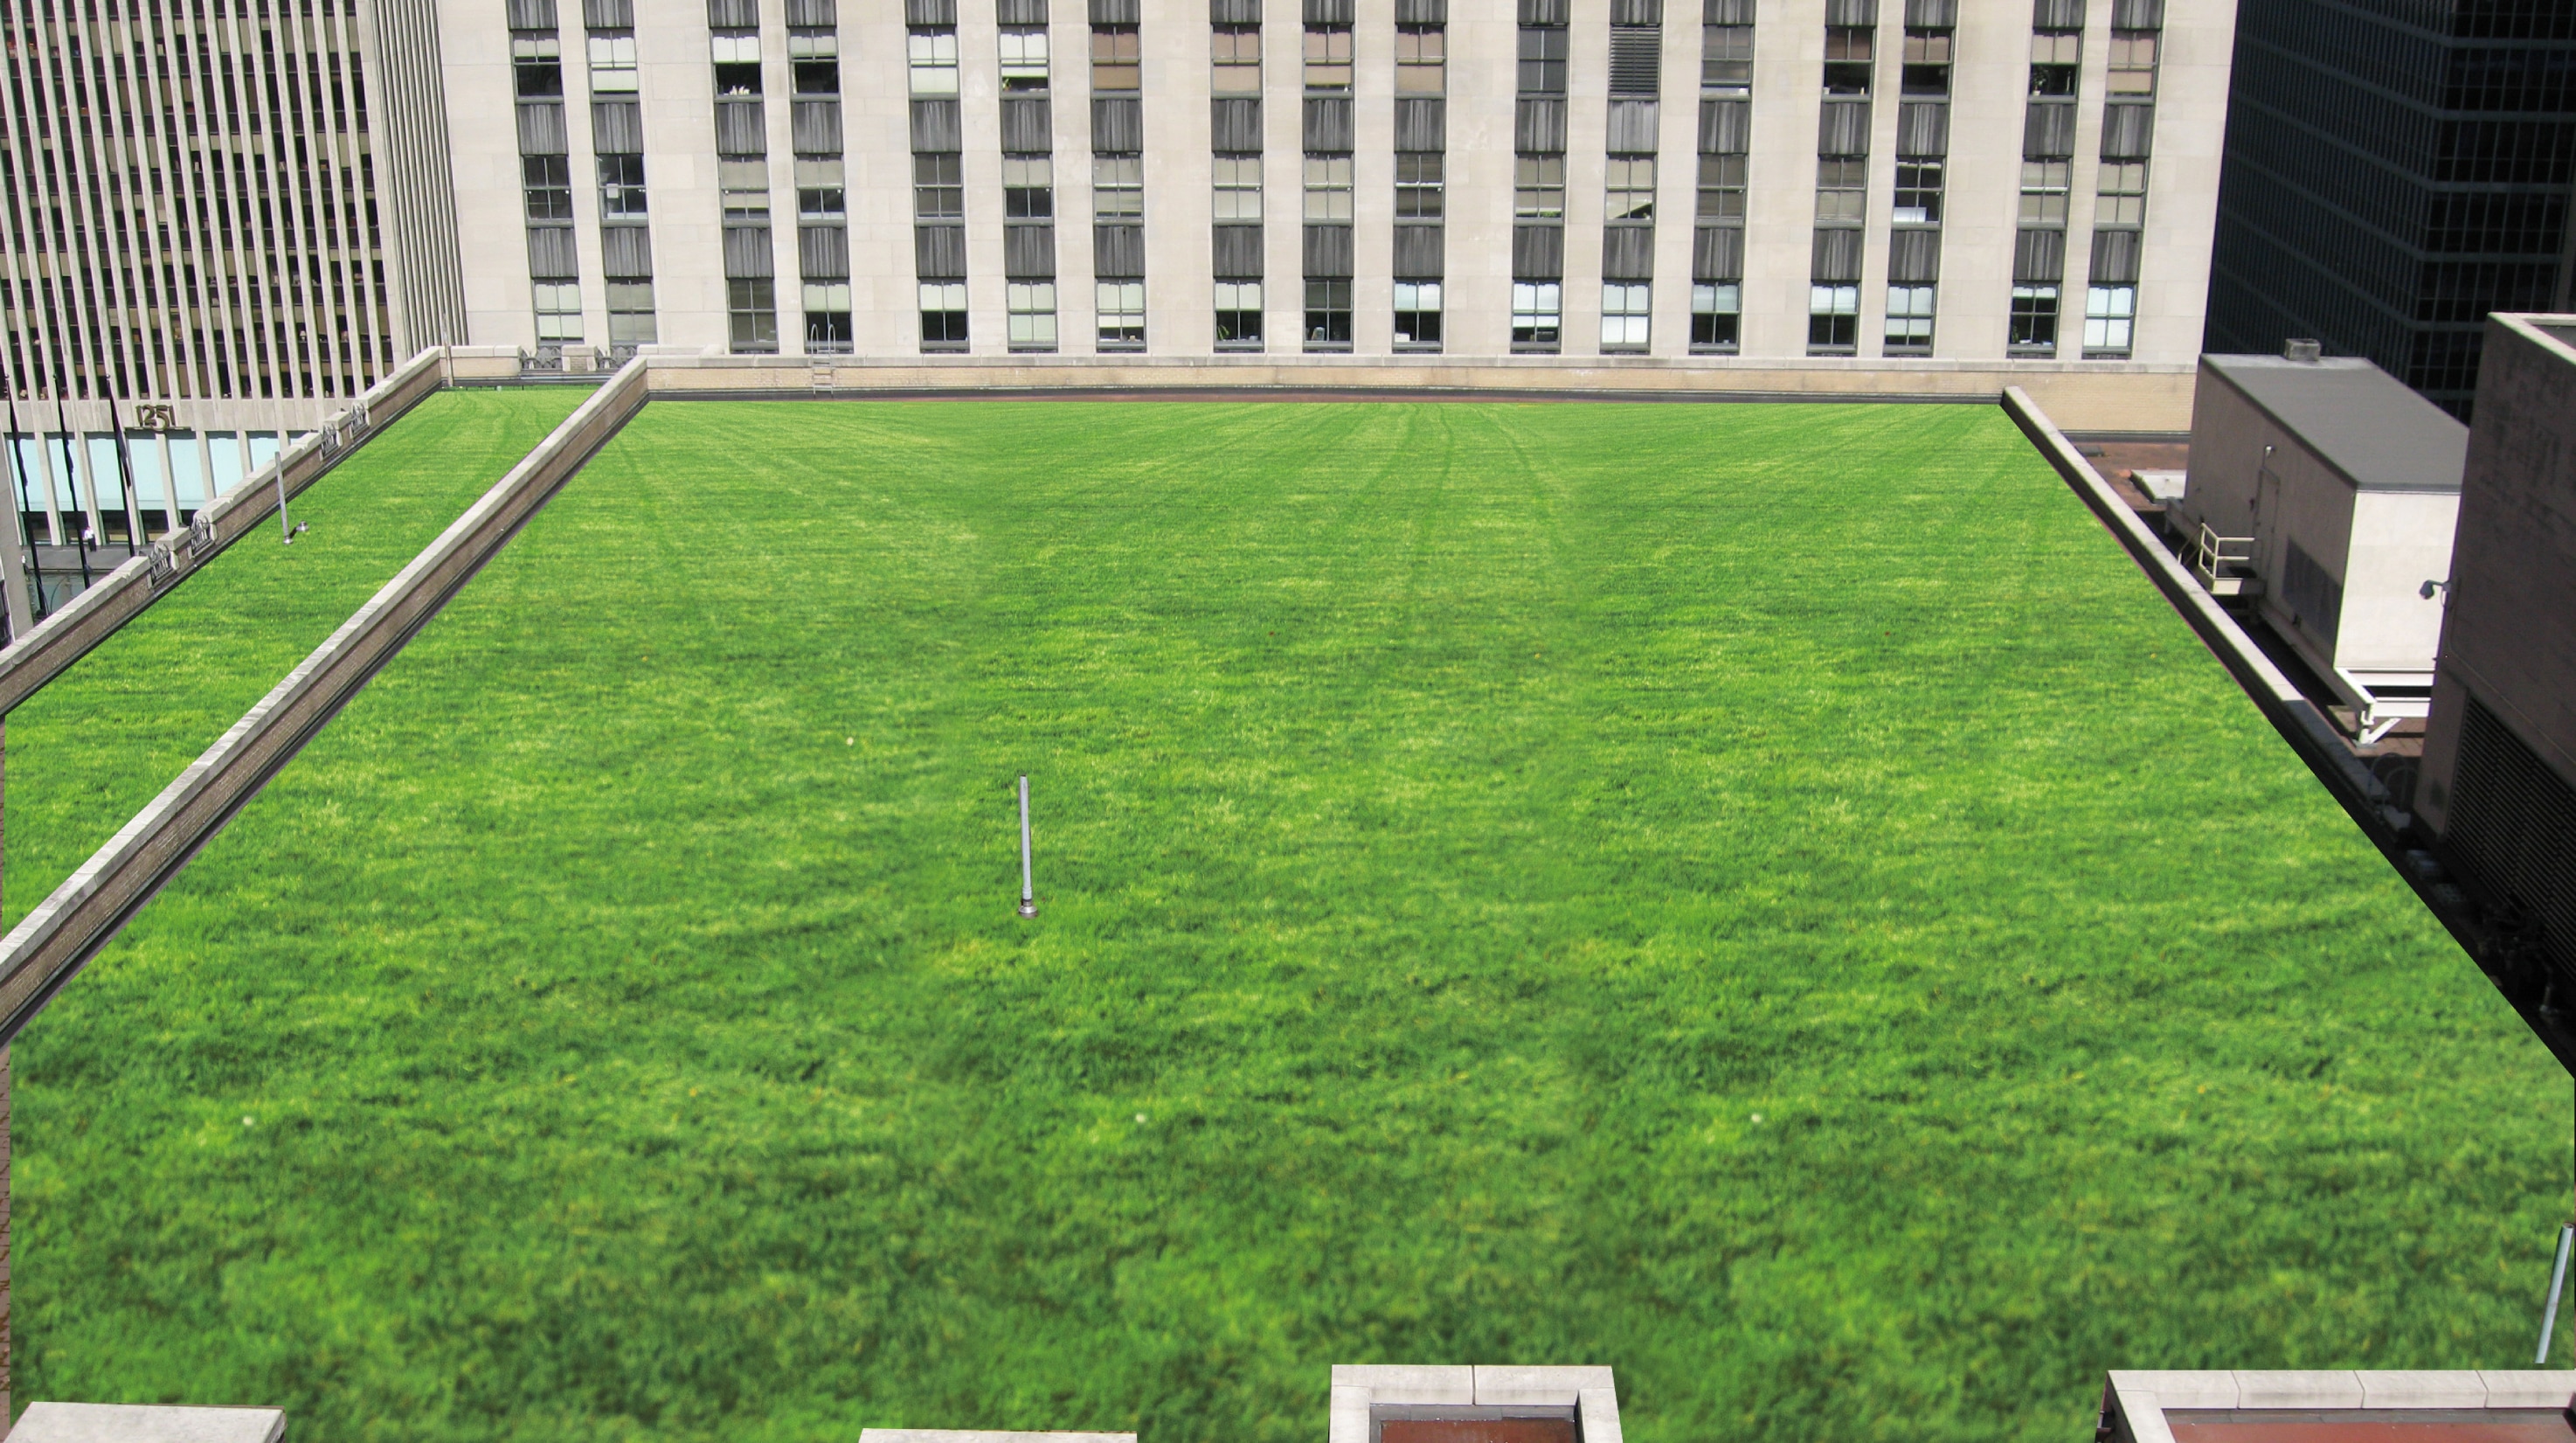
[(1767, 898), (97, 743)]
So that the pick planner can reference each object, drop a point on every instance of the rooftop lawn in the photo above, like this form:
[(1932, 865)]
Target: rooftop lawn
[(1767, 898), (91, 748)]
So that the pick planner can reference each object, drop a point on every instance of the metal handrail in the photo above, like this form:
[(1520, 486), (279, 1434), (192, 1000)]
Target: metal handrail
[(2217, 553)]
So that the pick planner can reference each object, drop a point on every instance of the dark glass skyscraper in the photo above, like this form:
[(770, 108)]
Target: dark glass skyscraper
[(2395, 170)]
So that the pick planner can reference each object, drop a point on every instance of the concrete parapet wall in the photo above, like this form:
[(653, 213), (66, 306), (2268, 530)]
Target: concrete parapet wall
[(2135, 397), (468, 364)]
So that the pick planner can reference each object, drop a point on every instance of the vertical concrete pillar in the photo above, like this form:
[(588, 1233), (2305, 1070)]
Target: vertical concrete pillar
[(169, 484), (52, 494), (85, 483)]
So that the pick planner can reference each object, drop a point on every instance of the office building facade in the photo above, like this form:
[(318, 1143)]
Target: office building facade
[(252, 208), (2394, 173), (1775, 178)]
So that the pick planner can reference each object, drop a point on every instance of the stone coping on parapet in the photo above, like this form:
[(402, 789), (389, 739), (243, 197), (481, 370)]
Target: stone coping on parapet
[(1363, 1393), (2147, 1406), (982, 1436), (2101, 397), (1607, 365), (128, 1423)]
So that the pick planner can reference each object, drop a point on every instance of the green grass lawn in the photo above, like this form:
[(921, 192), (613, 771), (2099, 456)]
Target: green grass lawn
[(1766, 898), (87, 751)]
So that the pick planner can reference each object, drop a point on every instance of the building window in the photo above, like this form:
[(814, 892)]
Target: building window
[(1122, 314), (1328, 315), (2043, 192), (827, 313), (630, 313), (1421, 59), (743, 183), (1117, 186), (1841, 189), (814, 57), (1833, 318), (2034, 318), (820, 191), (1028, 188), (621, 185), (1234, 52), (1909, 318), (1918, 192), (2120, 193), (1417, 314), (1032, 315), (827, 316), (1238, 315), (2109, 313), (612, 64), (1721, 187), (933, 57), (1116, 58), (938, 187), (752, 308), (943, 312), (1538, 187), (536, 65), (1328, 187), (737, 62), (1848, 61), (1717, 313), (1927, 63), (1631, 188), (1328, 59), (558, 313), (1538, 314), (1726, 59), (2133, 62), (1626, 309), (549, 181), (1542, 70), (1024, 61), (2056, 58), (1238, 187), (1419, 180)]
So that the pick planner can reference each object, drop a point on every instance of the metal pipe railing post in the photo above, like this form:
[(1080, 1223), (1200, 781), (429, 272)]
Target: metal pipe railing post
[(1028, 891)]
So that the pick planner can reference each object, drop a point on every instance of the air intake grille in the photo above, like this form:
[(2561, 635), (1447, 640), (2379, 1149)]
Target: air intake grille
[(2513, 832), (1636, 60)]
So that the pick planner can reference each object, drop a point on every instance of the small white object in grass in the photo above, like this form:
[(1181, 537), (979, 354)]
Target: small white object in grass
[(1757, 1117), (245, 1122), (1140, 1117), (849, 741)]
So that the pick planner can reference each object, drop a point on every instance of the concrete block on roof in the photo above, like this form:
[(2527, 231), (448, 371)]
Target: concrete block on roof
[(2529, 1388), (2399, 1388), (2177, 1388), (1349, 1421), (2297, 1388), (980, 1435), (1598, 1410), (1410, 1383), (1542, 1387), (127, 1423)]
